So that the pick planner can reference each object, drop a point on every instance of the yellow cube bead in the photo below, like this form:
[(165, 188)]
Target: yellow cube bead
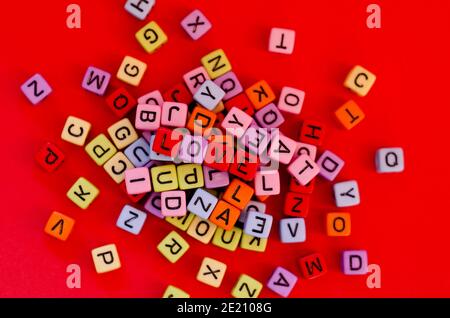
[(82, 193), (75, 130), (151, 37), (211, 272), (246, 287), (164, 178), (228, 240), (175, 292), (106, 258), (131, 71), (202, 230), (117, 165), (100, 149), (252, 243), (173, 246), (360, 80), (216, 63), (190, 176), (181, 222), (123, 133)]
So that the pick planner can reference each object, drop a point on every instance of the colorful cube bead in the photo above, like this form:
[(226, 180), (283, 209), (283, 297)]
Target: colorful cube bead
[(388, 160), (346, 193), (96, 80), (215, 178), (137, 180), (293, 230), (173, 247), (106, 258), (230, 84), (260, 94), (173, 203), (82, 193), (196, 24), (282, 40), (59, 226), (216, 63), (202, 203), (202, 230), (139, 8), (269, 116), (338, 224), (291, 100), (267, 182), (282, 281), (330, 165), (131, 71), (304, 169), (209, 95), (350, 114), (211, 272), (360, 80), (131, 219), (194, 79), (49, 157), (151, 37), (100, 149), (122, 133), (354, 262), (36, 89), (313, 266), (246, 287), (258, 224)]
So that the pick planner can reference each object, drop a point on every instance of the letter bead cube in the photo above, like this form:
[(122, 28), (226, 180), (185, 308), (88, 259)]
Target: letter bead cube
[(228, 240), (330, 165), (202, 203), (304, 169), (305, 149), (291, 100), (96, 80), (137, 180), (49, 157), (211, 272), (388, 160), (282, 40), (360, 80), (173, 247), (139, 8), (296, 187), (238, 193), (75, 130), (258, 224), (282, 148), (215, 178), (252, 243), (312, 132), (59, 226), (296, 204), (252, 206), (260, 94), (193, 149), (190, 176), (201, 120), (236, 122), (106, 258), (196, 24), (121, 102), (151, 37), (122, 133), (194, 79), (230, 84), (100, 149), (131, 220), (164, 178), (354, 262), (138, 153), (116, 167), (209, 95), (246, 287), (175, 292), (338, 224), (181, 222), (202, 230), (267, 182), (152, 98), (153, 205), (313, 266), (350, 115), (282, 281), (174, 114), (224, 215), (173, 203), (293, 230), (36, 89), (269, 116), (216, 63), (346, 193), (82, 193), (131, 71), (240, 101)]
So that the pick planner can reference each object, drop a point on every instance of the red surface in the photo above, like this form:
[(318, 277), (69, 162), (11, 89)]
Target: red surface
[(402, 220)]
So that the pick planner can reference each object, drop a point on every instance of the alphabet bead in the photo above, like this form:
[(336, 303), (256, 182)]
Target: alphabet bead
[(260, 94), (202, 230), (117, 165), (131, 71), (137, 180), (360, 80), (193, 149), (224, 215), (181, 222), (96, 80), (238, 194), (201, 120), (246, 287), (196, 24), (82, 193), (59, 226), (252, 206), (282, 148), (230, 84), (106, 258), (269, 116), (138, 152), (215, 178), (195, 78), (139, 8), (173, 203), (174, 114), (228, 240), (49, 157), (153, 205), (346, 193), (258, 224), (121, 102), (304, 169), (244, 165), (75, 130), (312, 132), (157, 156), (236, 122), (36, 89), (338, 224), (313, 266), (151, 98), (151, 37), (122, 133), (173, 247), (350, 114), (202, 203), (267, 182), (216, 63), (282, 40), (293, 230), (388, 160), (330, 165), (291, 100), (305, 149), (175, 292), (100, 149), (296, 204), (282, 281), (131, 220), (211, 272), (164, 178), (252, 243), (190, 176), (179, 94), (354, 262), (209, 95)]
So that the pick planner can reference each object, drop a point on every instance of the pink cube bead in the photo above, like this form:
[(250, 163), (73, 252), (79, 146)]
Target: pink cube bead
[(153, 204), (215, 178), (267, 182), (236, 122), (96, 80), (330, 165), (282, 148), (36, 89), (282, 41), (282, 281), (152, 98), (173, 203), (230, 84), (354, 262), (148, 117), (196, 24), (269, 116), (174, 114), (305, 149), (304, 169), (195, 78), (256, 139), (291, 100), (193, 149), (137, 180)]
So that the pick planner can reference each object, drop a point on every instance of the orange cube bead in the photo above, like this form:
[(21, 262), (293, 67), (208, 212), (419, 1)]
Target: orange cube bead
[(201, 120), (238, 194), (59, 226), (350, 114), (225, 215), (260, 94), (338, 224)]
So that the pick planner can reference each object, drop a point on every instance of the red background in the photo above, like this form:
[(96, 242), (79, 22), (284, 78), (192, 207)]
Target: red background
[(402, 220)]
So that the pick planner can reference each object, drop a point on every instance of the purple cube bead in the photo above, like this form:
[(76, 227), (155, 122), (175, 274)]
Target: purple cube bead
[(153, 204), (269, 116), (36, 89), (95, 80), (282, 281), (330, 165), (354, 262)]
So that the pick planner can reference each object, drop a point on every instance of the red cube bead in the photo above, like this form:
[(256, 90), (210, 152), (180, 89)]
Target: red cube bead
[(167, 141), (295, 186), (49, 157), (313, 266), (244, 165), (179, 94), (121, 102), (312, 132), (296, 205), (242, 102)]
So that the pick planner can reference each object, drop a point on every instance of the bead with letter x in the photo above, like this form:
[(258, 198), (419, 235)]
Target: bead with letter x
[(196, 24)]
